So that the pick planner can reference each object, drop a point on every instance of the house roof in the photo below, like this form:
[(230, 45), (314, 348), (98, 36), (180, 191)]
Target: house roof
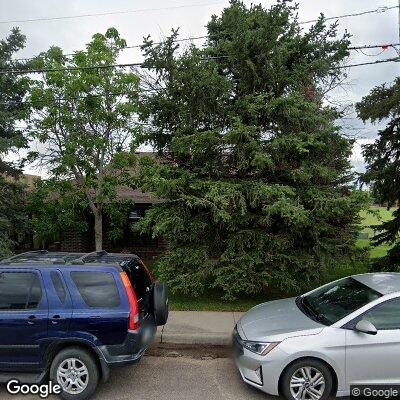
[(26, 179), (139, 197)]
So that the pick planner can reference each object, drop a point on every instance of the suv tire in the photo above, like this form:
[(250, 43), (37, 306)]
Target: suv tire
[(160, 299), (307, 374), (78, 362)]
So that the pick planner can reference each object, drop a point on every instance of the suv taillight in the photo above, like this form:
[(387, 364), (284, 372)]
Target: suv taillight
[(133, 303)]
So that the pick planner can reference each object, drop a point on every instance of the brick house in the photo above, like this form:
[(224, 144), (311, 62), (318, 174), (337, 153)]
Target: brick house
[(144, 246)]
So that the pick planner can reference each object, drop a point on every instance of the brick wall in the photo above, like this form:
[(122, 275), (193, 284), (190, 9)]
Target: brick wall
[(84, 242), (75, 241)]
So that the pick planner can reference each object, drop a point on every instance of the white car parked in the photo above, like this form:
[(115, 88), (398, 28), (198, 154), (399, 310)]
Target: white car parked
[(318, 344)]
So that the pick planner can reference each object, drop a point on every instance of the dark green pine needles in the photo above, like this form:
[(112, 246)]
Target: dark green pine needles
[(255, 173)]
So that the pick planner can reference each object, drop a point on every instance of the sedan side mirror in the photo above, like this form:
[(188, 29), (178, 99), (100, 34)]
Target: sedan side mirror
[(366, 326)]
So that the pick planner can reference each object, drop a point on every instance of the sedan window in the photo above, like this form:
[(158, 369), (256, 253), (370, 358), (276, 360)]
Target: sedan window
[(335, 301), (385, 316)]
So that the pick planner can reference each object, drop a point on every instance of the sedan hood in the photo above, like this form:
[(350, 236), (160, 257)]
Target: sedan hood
[(277, 320)]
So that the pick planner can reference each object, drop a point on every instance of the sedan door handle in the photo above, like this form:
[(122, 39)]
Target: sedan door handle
[(31, 319)]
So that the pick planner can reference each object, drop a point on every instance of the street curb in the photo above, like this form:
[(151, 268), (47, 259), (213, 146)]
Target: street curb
[(211, 339)]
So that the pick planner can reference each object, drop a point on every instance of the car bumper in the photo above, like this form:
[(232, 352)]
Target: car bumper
[(261, 372), (132, 350)]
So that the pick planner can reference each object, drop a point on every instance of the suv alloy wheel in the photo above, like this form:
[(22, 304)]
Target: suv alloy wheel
[(75, 370)]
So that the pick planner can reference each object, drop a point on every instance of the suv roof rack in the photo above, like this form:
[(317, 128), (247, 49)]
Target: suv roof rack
[(103, 257), (50, 257), (42, 256)]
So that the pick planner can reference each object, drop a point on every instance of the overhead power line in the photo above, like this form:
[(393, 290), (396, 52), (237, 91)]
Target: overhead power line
[(383, 46), (135, 46), (139, 10), (371, 55), (374, 46), (86, 67), (386, 60), (140, 65), (396, 59), (378, 10)]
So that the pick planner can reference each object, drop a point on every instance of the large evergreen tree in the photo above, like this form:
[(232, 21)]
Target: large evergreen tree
[(254, 172), (383, 162), (13, 89)]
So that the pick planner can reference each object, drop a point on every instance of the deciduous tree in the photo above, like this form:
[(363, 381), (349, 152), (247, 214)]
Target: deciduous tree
[(84, 120)]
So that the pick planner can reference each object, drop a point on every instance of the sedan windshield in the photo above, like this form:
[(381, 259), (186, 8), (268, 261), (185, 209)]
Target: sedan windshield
[(335, 301)]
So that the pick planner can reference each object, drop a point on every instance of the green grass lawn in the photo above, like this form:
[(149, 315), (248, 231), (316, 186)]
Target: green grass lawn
[(375, 217), (212, 302)]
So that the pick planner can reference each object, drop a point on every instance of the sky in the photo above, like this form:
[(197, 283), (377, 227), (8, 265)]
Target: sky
[(157, 18)]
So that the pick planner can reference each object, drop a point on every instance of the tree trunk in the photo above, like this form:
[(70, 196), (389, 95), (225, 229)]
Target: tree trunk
[(98, 229)]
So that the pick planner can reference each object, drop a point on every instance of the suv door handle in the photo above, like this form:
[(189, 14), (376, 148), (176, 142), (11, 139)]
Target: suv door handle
[(31, 319), (55, 319)]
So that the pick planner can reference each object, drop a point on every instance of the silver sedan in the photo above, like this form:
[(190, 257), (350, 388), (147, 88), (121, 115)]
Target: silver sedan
[(318, 344)]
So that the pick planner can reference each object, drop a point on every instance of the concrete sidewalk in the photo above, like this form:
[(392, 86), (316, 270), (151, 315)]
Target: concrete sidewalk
[(198, 327)]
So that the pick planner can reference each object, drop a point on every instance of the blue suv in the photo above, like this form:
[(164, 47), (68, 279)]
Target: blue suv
[(73, 316)]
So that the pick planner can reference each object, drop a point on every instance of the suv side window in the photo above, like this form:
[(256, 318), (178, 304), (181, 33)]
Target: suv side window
[(19, 290), (98, 289), (386, 315), (58, 286)]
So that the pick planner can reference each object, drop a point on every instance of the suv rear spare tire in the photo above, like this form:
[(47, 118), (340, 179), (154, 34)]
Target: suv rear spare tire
[(160, 299)]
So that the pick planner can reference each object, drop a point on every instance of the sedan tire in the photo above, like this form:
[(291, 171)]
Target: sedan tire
[(307, 379)]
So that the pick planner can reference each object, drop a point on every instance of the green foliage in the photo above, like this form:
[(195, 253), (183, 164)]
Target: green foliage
[(254, 171), (13, 216), (383, 164), (12, 109), (84, 119), (55, 206), (13, 88), (117, 214), (58, 205)]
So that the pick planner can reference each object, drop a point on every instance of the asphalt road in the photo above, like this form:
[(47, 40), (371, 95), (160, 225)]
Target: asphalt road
[(172, 376)]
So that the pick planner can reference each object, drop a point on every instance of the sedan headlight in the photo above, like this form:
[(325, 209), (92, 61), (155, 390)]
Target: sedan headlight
[(261, 348)]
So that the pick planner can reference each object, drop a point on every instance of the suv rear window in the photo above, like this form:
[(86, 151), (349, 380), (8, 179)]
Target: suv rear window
[(19, 290), (139, 278), (98, 289)]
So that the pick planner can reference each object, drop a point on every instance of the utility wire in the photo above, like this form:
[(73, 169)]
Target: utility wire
[(378, 10), (370, 55), (383, 46), (136, 46), (88, 67), (140, 65), (18, 21), (374, 46), (158, 89), (386, 60)]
